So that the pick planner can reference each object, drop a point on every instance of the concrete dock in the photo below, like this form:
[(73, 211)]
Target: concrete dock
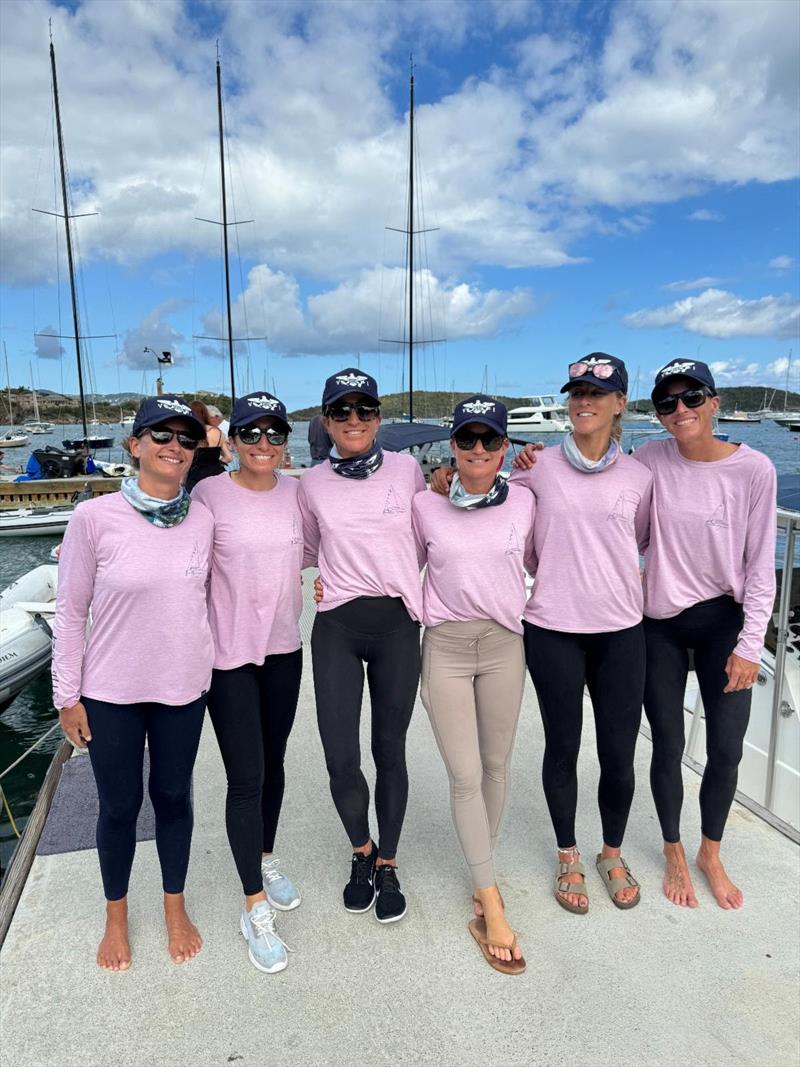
[(655, 985)]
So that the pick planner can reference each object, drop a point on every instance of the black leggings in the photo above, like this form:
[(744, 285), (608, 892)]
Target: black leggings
[(252, 709), (117, 754), (612, 667), (712, 629), (377, 631)]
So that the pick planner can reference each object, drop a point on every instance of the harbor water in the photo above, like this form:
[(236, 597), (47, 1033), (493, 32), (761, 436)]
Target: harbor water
[(32, 713)]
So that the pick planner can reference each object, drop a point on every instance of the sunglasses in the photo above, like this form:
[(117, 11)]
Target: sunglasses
[(466, 441), (251, 435), (163, 437), (341, 412), (597, 370), (692, 398)]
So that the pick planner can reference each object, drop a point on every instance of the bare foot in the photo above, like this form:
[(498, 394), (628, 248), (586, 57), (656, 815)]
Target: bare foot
[(577, 900), (114, 952), (499, 935), (628, 892), (184, 938), (678, 886), (726, 894)]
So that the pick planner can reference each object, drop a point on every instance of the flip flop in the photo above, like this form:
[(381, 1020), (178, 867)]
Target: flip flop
[(579, 888), (477, 927), (613, 885)]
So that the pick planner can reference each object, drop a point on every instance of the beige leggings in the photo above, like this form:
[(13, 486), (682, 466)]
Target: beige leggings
[(473, 675)]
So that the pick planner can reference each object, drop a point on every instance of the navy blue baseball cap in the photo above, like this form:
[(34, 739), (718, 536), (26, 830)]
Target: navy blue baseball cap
[(601, 370), (349, 380), (483, 409), (157, 409), (683, 368), (249, 409)]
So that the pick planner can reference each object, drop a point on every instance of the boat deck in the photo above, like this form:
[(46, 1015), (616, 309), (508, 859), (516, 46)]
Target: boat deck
[(655, 985)]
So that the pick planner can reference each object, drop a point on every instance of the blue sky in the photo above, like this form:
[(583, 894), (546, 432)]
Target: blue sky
[(615, 176)]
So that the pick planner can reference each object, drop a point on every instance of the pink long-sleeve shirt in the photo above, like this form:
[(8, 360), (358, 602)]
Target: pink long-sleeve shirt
[(587, 536), (359, 532), (150, 638), (475, 558), (712, 534), (255, 595)]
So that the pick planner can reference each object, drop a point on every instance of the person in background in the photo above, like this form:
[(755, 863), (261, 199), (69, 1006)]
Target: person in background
[(473, 661), (319, 441), (212, 454), (709, 587), (138, 560), (218, 420), (254, 608), (356, 510)]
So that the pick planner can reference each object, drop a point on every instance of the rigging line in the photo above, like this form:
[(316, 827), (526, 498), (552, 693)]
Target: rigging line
[(242, 291)]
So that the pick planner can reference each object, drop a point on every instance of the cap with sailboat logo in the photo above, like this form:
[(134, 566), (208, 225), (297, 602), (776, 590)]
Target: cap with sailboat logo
[(692, 369), (349, 380), (481, 409), (157, 409), (249, 409)]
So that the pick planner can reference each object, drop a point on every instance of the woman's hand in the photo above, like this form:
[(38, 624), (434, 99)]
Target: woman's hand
[(75, 724), (524, 460), (440, 480), (742, 673), (317, 590)]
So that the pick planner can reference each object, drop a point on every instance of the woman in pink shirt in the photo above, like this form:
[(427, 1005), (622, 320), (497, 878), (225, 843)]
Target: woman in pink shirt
[(709, 587), (357, 524), (583, 621), (139, 560), (473, 662), (254, 610)]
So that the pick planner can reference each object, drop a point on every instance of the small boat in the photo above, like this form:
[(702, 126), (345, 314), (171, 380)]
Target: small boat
[(740, 416), (11, 439), (542, 414), (39, 427), (786, 418), (39, 522), (27, 608), (125, 470), (94, 441)]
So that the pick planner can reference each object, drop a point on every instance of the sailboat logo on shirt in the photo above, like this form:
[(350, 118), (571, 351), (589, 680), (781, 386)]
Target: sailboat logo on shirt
[(197, 567), (393, 506), (626, 506), (513, 544), (720, 517)]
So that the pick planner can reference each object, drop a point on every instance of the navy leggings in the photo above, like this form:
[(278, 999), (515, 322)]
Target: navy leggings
[(611, 665), (117, 754), (252, 709), (377, 631), (711, 628)]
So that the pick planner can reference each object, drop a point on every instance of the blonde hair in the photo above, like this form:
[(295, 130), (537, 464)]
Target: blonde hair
[(616, 425), (126, 444)]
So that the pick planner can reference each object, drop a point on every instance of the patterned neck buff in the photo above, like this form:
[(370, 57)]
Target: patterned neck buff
[(576, 458), (160, 512), (462, 499), (357, 466)]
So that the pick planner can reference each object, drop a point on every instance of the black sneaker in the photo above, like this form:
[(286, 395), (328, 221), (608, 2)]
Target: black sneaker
[(391, 904), (359, 893)]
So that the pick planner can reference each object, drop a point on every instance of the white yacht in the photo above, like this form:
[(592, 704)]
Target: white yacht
[(542, 414)]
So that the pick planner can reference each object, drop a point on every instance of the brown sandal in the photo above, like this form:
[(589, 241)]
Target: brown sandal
[(563, 886), (477, 928)]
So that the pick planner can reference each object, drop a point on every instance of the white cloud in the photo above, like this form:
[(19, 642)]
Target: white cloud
[(705, 215), (688, 284), (716, 313), (46, 344), (735, 372), (156, 332), (779, 366), (352, 317), (781, 263)]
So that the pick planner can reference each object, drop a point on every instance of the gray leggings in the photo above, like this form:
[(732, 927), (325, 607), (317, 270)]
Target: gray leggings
[(473, 676)]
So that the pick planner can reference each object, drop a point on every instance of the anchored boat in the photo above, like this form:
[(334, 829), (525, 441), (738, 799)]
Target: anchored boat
[(27, 608)]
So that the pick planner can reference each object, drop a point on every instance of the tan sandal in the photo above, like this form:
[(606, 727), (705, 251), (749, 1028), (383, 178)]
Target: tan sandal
[(579, 888), (477, 927), (613, 885)]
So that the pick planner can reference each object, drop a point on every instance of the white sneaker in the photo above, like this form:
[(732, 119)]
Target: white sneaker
[(265, 947), (281, 891)]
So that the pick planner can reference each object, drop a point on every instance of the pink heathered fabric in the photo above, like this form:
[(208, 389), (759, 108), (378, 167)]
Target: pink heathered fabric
[(713, 533), (475, 558), (255, 597), (586, 540), (359, 532), (146, 586)]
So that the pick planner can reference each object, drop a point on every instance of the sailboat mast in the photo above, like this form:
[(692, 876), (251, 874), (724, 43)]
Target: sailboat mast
[(786, 390), (8, 386), (225, 230), (411, 252), (70, 259)]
